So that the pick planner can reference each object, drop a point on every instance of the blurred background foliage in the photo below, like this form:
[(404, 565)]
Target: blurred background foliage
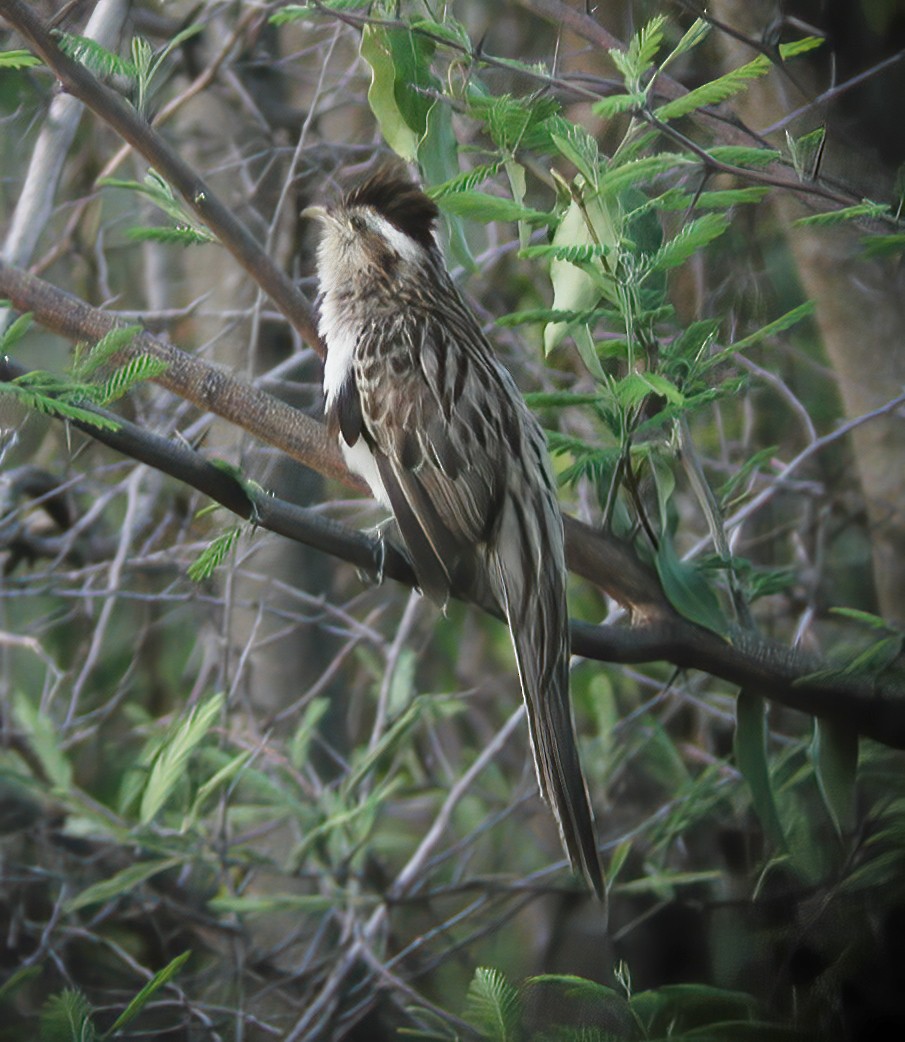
[(281, 802)]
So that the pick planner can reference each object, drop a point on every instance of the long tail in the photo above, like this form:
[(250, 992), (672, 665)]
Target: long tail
[(532, 594)]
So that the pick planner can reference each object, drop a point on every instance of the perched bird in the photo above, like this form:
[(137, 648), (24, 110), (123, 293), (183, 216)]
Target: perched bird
[(437, 428)]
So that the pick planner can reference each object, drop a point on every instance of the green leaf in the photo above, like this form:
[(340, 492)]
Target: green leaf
[(516, 123), (158, 190), (635, 172), (695, 34), (687, 590), (66, 1017), (260, 904), (168, 768), (615, 104), (834, 751), (559, 399), (847, 213), (874, 622), (695, 235), (732, 83), (224, 775), (179, 236), (305, 733), (635, 387), (805, 152), (44, 741), (18, 60), (160, 978), (16, 331), (675, 199), (304, 12), (466, 181), (17, 979), (577, 146), (122, 882), (883, 245), (742, 156), (401, 84), (492, 1006), (646, 43), (42, 402), (779, 325), (85, 364), (750, 744), (214, 554), (587, 222), (135, 371), (483, 207), (582, 254), (716, 91), (93, 55)]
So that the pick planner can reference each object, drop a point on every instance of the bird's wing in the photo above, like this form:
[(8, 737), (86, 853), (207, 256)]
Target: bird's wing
[(428, 417)]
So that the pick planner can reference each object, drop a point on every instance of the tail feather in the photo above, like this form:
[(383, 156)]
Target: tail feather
[(538, 626)]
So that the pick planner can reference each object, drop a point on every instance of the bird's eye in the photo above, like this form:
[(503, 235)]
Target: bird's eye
[(357, 222)]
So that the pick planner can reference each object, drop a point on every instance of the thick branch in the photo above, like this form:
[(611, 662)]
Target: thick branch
[(872, 707)]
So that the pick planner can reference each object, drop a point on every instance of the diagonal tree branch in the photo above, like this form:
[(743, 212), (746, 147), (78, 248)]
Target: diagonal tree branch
[(874, 707), (221, 220)]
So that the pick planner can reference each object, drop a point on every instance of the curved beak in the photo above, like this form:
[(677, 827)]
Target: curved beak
[(316, 212)]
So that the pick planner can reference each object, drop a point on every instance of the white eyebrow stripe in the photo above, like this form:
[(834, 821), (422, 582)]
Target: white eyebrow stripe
[(403, 244)]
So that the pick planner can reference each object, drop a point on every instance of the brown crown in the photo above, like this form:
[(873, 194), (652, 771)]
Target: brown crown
[(391, 192)]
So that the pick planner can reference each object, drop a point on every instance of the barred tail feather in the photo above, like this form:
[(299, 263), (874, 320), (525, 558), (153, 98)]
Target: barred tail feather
[(535, 607)]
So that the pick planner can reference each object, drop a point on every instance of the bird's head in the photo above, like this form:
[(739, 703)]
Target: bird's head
[(385, 225)]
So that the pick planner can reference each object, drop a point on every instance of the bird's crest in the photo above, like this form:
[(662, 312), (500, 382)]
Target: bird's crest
[(391, 192)]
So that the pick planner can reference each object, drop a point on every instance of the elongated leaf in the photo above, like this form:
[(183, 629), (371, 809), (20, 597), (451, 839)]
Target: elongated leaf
[(492, 1006), (16, 330), (636, 387), (579, 253), (751, 756), (615, 104), (577, 146), (586, 223), (467, 181), (135, 371), (847, 213), (17, 979), (66, 1017), (743, 156), (217, 781), (18, 60), (716, 91), (122, 882), (732, 83), (89, 362), (687, 589), (883, 245), (33, 398), (262, 904), (93, 55), (690, 239), (44, 741), (168, 769), (214, 554), (305, 12), (182, 236), (696, 32), (160, 978), (639, 171), (483, 207), (834, 750), (779, 325)]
